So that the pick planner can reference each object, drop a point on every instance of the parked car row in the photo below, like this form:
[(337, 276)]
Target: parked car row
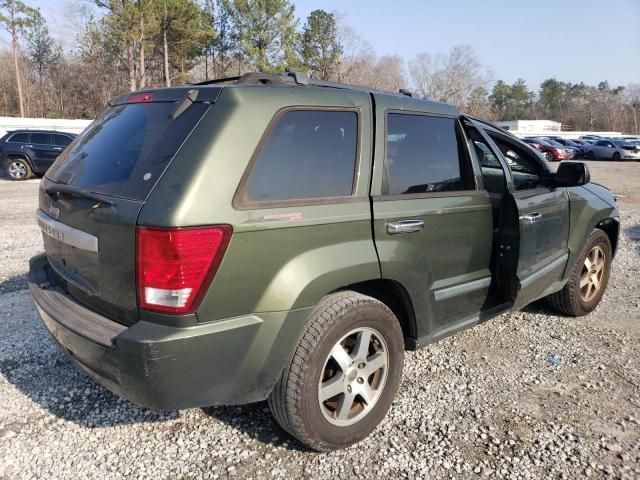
[(594, 147), (551, 149), (624, 148), (24, 153)]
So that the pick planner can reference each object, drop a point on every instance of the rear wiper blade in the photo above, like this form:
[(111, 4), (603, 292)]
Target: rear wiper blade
[(75, 192)]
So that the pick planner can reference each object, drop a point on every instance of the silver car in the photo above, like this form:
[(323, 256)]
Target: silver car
[(616, 150)]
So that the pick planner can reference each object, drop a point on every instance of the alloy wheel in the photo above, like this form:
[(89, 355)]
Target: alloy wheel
[(17, 170), (592, 273), (353, 376)]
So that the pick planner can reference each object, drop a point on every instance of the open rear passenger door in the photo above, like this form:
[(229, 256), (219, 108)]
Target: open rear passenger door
[(531, 218)]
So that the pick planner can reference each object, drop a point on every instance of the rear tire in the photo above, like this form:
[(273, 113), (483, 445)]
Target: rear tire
[(351, 351), (17, 169), (616, 157), (548, 156), (588, 279)]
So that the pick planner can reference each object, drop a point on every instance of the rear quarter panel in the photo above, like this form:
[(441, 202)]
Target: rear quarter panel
[(279, 258)]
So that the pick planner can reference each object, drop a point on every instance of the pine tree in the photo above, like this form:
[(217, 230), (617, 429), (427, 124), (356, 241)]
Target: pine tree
[(320, 47), (266, 32)]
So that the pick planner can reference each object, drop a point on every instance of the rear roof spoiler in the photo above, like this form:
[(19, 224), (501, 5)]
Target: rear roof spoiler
[(171, 94)]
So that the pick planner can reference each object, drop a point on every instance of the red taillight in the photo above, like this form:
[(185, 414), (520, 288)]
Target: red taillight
[(176, 265), (141, 97)]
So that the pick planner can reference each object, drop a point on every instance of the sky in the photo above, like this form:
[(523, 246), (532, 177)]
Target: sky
[(570, 40)]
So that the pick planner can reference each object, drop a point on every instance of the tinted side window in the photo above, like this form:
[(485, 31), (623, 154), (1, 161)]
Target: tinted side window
[(19, 138), (493, 175), (41, 138), (61, 140), (425, 154), (525, 170), (308, 154)]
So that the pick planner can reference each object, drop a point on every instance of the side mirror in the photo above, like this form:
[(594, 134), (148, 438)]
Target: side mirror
[(572, 174)]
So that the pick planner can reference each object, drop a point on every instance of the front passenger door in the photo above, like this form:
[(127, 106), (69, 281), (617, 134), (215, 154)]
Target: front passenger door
[(533, 241)]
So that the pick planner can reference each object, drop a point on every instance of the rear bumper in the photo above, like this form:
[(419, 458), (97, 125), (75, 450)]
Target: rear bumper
[(227, 362)]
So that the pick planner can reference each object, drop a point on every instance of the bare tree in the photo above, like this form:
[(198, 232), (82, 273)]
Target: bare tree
[(425, 73), (355, 52), (449, 78), (631, 95), (388, 73)]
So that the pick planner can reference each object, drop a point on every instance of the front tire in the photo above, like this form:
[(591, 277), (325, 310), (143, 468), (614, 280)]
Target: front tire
[(18, 169), (548, 156), (344, 373), (616, 157), (588, 279)]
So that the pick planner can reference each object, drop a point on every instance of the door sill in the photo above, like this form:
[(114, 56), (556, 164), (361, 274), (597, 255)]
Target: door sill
[(465, 323)]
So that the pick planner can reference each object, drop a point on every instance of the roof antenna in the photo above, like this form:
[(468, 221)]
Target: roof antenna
[(405, 92)]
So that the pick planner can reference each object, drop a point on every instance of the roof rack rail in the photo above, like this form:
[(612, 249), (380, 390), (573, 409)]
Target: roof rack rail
[(301, 78), (294, 77), (217, 80)]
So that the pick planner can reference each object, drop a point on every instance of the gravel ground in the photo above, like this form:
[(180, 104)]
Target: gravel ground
[(485, 403)]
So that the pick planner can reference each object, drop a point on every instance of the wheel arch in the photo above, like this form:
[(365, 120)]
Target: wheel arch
[(611, 227), (393, 294), (21, 156)]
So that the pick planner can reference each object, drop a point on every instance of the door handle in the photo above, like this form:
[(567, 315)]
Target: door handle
[(57, 148), (404, 226), (532, 217)]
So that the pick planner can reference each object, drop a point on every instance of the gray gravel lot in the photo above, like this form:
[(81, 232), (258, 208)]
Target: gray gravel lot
[(485, 403)]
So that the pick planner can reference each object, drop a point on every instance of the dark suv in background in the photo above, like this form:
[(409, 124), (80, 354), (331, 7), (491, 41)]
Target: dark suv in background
[(25, 152)]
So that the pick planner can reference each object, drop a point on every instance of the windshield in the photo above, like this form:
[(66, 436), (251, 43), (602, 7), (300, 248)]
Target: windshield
[(126, 149)]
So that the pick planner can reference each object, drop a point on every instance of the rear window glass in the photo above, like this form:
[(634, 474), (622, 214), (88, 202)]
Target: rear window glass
[(61, 140), (308, 154), (126, 149), (19, 138), (425, 154)]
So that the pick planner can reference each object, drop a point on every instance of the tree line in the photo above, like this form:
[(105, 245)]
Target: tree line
[(125, 45)]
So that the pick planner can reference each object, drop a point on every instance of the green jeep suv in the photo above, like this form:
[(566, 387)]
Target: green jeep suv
[(277, 237)]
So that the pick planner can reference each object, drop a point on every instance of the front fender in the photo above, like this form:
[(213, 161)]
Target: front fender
[(588, 210)]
